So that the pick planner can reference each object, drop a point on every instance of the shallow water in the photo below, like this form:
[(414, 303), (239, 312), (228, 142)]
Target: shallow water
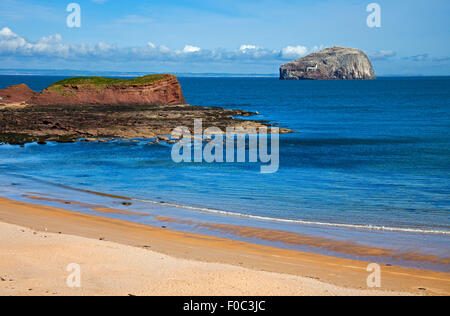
[(370, 163)]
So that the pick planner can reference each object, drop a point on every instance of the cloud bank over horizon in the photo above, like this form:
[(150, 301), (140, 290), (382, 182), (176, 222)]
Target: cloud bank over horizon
[(52, 46), (54, 51)]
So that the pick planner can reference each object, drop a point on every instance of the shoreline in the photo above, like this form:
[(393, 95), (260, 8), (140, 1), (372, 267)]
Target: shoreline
[(41, 197), (265, 235), (350, 275)]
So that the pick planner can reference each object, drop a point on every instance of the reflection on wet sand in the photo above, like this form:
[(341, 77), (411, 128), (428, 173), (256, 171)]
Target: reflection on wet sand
[(268, 235), (93, 207), (290, 238)]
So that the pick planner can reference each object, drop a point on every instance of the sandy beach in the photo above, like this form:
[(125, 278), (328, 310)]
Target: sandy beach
[(122, 258)]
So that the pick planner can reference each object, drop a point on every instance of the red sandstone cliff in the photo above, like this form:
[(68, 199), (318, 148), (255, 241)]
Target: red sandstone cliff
[(165, 91), (16, 94)]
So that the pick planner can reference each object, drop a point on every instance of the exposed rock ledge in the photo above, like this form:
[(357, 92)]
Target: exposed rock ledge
[(97, 108), (336, 63)]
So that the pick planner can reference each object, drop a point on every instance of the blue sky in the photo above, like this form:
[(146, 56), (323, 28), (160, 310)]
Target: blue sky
[(245, 36)]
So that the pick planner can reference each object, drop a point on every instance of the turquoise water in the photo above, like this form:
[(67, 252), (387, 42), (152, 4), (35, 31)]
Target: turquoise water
[(370, 163)]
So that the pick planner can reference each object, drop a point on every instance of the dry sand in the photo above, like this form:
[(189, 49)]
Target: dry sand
[(33, 261)]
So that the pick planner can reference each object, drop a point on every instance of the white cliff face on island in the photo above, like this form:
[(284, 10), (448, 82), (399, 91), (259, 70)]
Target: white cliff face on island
[(336, 63)]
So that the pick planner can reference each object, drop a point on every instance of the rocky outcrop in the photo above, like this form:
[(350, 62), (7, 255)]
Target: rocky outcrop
[(16, 94), (43, 123), (148, 90), (97, 108), (336, 63)]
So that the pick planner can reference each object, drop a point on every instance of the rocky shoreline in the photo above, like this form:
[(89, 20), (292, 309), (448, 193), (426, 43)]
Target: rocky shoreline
[(96, 109), (41, 124)]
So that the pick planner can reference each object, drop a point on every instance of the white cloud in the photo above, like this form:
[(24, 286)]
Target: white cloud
[(294, 52), (51, 47), (6, 32), (164, 49), (51, 39), (421, 57), (382, 54), (191, 49), (11, 42), (247, 48), (104, 47)]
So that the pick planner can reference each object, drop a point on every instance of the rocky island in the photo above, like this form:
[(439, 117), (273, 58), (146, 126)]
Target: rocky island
[(336, 63), (95, 108)]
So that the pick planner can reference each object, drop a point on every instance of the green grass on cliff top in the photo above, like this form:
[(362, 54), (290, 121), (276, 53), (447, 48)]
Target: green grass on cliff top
[(111, 81)]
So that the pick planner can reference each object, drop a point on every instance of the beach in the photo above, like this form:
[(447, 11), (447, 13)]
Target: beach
[(124, 258)]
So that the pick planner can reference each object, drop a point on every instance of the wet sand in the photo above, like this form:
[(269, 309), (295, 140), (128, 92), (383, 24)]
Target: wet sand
[(339, 248), (121, 258)]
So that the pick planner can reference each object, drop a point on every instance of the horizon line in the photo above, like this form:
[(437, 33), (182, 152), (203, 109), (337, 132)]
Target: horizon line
[(72, 72)]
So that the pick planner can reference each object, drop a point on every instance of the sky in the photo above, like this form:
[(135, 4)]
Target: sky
[(217, 36)]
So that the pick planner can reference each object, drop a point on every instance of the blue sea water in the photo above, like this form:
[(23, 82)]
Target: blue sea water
[(369, 162)]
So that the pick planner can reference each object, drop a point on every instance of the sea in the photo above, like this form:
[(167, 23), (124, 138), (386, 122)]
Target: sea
[(368, 165)]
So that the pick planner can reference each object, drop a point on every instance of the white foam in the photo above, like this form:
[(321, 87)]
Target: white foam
[(282, 220), (271, 219)]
